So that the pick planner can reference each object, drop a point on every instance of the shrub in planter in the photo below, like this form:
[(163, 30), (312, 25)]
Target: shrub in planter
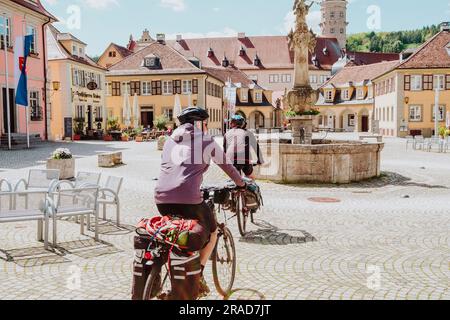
[(78, 129), (125, 137), (161, 122), (161, 142), (62, 160)]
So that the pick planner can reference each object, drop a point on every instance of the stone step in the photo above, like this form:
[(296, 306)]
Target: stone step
[(19, 141)]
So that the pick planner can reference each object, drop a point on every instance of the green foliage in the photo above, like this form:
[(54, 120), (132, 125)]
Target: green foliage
[(313, 112), (78, 128), (113, 124), (390, 41), (138, 131), (444, 132), (161, 122)]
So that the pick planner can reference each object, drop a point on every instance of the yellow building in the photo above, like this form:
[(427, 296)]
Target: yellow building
[(155, 76), (346, 101), (405, 95), (77, 88), (112, 55)]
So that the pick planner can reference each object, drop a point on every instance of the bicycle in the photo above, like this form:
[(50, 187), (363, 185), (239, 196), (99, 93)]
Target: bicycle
[(158, 284)]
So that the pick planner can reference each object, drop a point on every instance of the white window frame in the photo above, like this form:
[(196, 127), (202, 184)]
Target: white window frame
[(360, 93), (328, 95), (167, 87), (258, 96), (8, 39), (186, 86), (442, 108), (439, 82), (34, 100), (274, 78), (146, 88), (417, 117), (168, 113), (108, 89), (244, 95), (313, 78), (79, 111), (34, 42), (416, 82), (346, 94)]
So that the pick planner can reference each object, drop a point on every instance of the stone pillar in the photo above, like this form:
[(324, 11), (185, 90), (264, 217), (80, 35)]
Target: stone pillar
[(302, 130), (371, 122), (356, 123)]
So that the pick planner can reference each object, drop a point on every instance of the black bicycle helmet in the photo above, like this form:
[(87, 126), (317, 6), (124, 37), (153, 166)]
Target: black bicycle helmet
[(239, 121), (194, 114)]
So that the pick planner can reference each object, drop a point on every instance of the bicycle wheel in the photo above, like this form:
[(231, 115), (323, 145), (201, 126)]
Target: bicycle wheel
[(224, 263), (241, 215), (158, 284)]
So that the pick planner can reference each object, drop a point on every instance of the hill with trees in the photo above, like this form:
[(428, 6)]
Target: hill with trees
[(390, 41)]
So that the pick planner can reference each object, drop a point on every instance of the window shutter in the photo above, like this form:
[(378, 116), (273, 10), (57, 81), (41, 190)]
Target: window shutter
[(407, 83), (195, 86), (447, 82)]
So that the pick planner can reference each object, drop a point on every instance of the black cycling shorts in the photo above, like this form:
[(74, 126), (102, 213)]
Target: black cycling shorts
[(201, 212), (247, 169)]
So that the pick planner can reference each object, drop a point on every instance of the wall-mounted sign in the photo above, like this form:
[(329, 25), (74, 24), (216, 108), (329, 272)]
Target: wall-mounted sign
[(92, 85)]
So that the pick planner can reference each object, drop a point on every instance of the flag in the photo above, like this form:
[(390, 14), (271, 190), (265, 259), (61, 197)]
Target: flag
[(22, 50)]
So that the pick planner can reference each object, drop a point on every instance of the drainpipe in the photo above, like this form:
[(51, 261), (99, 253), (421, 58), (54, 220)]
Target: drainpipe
[(44, 51)]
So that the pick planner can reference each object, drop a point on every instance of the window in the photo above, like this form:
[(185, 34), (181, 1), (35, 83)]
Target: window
[(146, 88), (244, 95), (177, 86), (167, 87), (274, 78), (447, 82), (81, 53), (370, 92), (329, 95), (35, 106), (258, 96), (407, 82), (342, 30), (75, 77), (360, 93), (415, 113), (4, 24), (98, 114), (108, 89), (428, 82), (286, 78), (346, 94), (135, 88), (79, 112), (439, 82), (332, 31), (195, 86), (416, 83), (313, 78), (116, 89), (168, 113), (126, 87), (31, 31), (156, 88), (323, 78), (351, 120), (112, 54), (441, 115), (74, 50), (187, 86)]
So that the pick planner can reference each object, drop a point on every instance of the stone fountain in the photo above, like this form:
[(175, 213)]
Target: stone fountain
[(303, 159)]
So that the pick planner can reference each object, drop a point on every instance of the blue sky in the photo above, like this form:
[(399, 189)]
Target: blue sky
[(99, 22)]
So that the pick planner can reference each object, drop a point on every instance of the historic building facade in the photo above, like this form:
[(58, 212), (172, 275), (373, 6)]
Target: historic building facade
[(346, 101), (405, 95), (76, 107), (334, 20), (24, 18)]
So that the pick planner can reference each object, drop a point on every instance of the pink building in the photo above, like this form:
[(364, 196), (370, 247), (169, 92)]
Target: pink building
[(24, 17)]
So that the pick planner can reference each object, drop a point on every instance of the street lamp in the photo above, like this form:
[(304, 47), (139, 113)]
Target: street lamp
[(56, 85)]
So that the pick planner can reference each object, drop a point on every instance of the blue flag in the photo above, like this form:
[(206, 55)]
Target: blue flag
[(22, 85)]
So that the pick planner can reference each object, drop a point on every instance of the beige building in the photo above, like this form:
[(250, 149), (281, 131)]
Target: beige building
[(405, 95), (155, 76), (72, 99), (112, 55), (346, 101)]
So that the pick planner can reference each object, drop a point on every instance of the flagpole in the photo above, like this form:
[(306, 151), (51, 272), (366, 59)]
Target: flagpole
[(27, 120), (8, 111)]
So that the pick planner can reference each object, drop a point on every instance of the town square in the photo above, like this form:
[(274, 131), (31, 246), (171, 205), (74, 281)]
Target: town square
[(343, 193)]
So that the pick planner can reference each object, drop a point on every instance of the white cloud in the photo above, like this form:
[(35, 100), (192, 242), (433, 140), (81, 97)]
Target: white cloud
[(175, 5), (99, 4), (226, 32), (313, 20)]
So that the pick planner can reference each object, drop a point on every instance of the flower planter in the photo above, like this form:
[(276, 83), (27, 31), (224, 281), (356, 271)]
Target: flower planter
[(139, 139), (65, 166), (107, 138), (125, 139), (76, 137)]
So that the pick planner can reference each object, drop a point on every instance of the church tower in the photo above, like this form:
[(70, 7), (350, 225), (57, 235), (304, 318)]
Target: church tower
[(334, 20)]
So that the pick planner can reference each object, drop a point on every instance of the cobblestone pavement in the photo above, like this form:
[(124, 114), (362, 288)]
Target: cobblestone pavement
[(381, 239)]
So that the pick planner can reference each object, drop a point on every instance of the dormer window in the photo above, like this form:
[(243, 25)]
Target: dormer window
[(329, 95), (360, 93), (257, 61), (81, 52), (242, 51), (112, 54), (152, 62), (225, 62), (244, 95), (346, 94), (258, 96)]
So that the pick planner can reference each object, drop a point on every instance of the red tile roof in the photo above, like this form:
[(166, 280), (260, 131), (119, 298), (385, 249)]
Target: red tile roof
[(435, 53), (124, 52), (273, 51), (172, 62), (230, 73), (39, 8), (358, 74), (364, 58)]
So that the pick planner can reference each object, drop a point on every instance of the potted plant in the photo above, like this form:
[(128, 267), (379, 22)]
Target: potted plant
[(62, 160), (161, 122), (125, 137), (78, 128), (161, 142), (138, 134), (113, 128)]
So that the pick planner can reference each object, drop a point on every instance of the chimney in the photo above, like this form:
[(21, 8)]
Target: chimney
[(179, 38), (161, 38), (241, 35), (210, 53)]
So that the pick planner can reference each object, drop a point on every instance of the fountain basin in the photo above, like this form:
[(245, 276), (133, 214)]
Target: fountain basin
[(336, 162)]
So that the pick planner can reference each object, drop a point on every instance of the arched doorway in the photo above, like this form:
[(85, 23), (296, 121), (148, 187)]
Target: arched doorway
[(257, 120)]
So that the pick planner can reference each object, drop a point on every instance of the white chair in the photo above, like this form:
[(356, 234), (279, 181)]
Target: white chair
[(6, 187), (432, 142), (419, 142), (39, 182), (22, 215), (409, 141), (60, 204), (90, 178), (109, 195), (446, 145)]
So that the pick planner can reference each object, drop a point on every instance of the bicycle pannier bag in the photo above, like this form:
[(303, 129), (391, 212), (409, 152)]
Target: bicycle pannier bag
[(185, 274), (141, 270)]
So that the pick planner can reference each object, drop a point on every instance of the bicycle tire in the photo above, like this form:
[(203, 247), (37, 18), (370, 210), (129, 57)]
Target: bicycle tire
[(228, 238), (152, 281), (241, 216)]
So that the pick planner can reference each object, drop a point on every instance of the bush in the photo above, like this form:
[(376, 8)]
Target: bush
[(113, 124), (292, 113), (161, 122)]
